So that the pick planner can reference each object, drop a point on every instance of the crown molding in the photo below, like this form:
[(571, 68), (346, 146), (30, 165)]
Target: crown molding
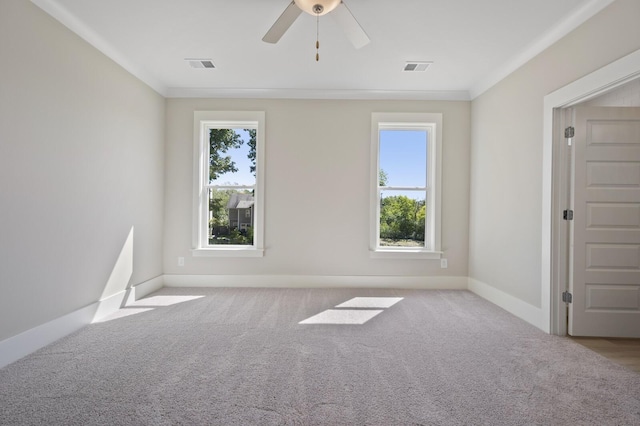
[(223, 93)]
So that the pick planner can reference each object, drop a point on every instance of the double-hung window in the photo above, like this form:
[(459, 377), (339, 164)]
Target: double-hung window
[(406, 185), (228, 182)]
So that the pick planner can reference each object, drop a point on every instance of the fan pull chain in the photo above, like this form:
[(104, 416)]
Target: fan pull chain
[(317, 37)]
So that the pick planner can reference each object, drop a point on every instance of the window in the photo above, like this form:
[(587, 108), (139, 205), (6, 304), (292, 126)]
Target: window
[(228, 182), (405, 185)]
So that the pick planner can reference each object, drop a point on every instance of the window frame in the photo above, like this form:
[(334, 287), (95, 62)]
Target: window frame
[(203, 122), (432, 123)]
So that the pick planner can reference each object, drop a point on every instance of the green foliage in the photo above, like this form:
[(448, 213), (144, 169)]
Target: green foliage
[(234, 237), (249, 235), (402, 218), (221, 141), (218, 207), (252, 150), (420, 222), (383, 178), (242, 238), (220, 231)]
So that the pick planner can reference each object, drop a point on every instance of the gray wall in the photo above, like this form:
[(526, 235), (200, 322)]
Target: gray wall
[(317, 161), (506, 150), (81, 164)]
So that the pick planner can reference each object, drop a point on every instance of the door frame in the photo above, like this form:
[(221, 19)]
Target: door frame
[(554, 179)]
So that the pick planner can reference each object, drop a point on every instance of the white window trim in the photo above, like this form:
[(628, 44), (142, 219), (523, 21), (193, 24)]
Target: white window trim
[(433, 123), (202, 121)]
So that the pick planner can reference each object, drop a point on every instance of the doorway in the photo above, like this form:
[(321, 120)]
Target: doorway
[(557, 175), (603, 219)]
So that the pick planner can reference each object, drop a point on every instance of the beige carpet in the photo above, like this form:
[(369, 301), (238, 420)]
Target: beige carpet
[(364, 357)]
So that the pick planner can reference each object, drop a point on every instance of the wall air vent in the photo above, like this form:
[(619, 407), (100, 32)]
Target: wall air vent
[(416, 66), (201, 63)]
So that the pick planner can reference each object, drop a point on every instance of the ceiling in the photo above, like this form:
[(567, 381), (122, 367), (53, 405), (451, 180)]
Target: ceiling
[(472, 44)]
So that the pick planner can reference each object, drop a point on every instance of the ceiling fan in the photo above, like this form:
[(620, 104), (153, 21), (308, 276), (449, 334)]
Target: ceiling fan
[(338, 10)]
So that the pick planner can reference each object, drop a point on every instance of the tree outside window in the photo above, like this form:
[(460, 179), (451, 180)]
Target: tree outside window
[(229, 176), (232, 154), (402, 187), (406, 196)]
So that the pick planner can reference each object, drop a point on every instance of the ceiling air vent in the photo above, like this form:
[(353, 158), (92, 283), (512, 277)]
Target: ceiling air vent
[(417, 66), (201, 63)]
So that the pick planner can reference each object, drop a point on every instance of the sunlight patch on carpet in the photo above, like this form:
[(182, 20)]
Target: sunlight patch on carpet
[(342, 316), (361, 310), (122, 313), (164, 300), (146, 305), (370, 302)]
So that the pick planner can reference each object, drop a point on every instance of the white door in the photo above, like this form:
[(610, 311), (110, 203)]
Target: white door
[(605, 232)]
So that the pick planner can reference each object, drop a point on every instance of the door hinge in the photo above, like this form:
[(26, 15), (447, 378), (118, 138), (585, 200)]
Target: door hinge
[(569, 132), (567, 297), (567, 215)]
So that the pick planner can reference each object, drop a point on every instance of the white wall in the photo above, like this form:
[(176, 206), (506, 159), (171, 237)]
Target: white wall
[(81, 165), (506, 150), (317, 189)]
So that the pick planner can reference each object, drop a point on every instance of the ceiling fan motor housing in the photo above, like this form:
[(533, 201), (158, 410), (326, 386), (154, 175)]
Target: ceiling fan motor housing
[(317, 7)]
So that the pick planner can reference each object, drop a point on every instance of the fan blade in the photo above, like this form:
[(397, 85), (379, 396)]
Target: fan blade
[(283, 23), (350, 26)]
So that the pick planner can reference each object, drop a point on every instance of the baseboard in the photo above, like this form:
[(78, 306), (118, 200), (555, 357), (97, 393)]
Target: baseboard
[(110, 304), (531, 314), (316, 281), (16, 347), (141, 290), (114, 302)]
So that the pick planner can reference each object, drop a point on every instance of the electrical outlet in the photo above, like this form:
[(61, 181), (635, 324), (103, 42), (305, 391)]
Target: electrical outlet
[(444, 264), (181, 261)]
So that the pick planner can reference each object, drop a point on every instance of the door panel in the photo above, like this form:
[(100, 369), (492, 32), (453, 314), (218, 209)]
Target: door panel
[(605, 267), (612, 216)]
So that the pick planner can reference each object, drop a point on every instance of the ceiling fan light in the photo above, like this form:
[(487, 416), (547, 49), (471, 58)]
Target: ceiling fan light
[(308, 6)]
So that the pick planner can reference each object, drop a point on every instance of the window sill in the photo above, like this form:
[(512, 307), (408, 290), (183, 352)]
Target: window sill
[(227, 252), (404, 254)]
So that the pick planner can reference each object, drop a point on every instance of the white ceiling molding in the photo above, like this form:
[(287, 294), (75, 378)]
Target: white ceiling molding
[(417, 95), (581, 15), (70, 21)]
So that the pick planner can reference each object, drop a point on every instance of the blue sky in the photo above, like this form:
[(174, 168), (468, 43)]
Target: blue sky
[(240, 156), (403, 156)]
